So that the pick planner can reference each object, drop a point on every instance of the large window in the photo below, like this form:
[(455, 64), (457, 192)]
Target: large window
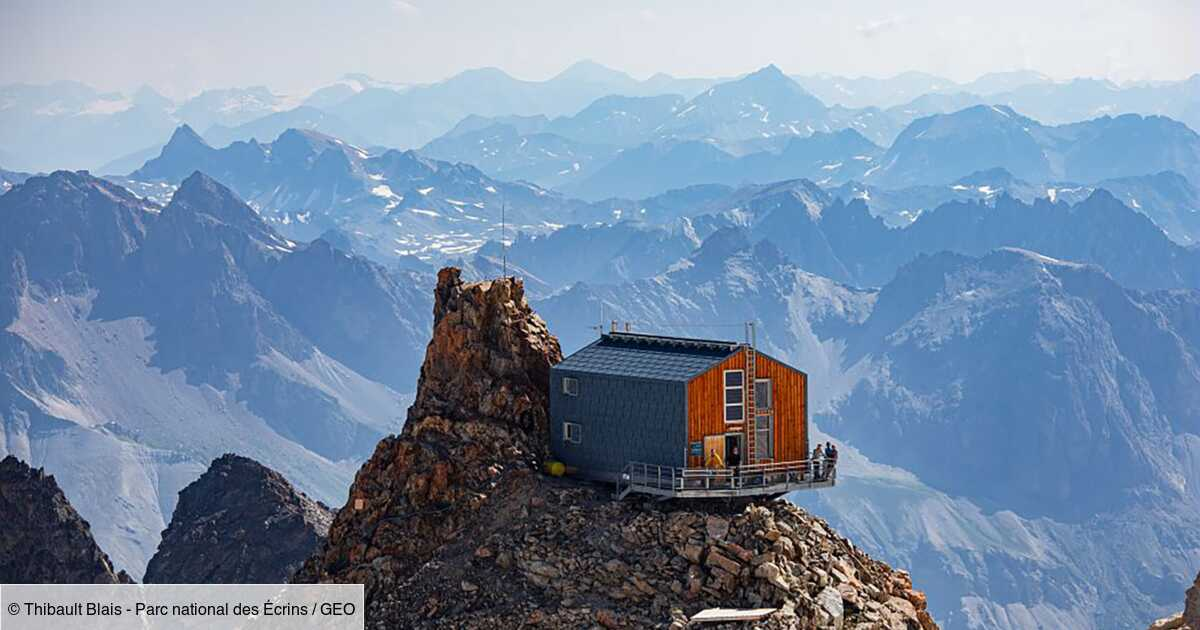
[(764, 420), (570, 386), (572, 432), (764, 436), (735, 383), (762, 393)]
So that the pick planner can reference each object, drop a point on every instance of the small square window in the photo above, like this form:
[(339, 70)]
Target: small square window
[(572, 432), (570, 386)]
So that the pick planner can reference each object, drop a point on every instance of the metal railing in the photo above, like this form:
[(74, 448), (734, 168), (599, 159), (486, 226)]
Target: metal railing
[(743, 480)]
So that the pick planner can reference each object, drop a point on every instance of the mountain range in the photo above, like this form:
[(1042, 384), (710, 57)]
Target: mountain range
[(765, 127), (388, 204), (69, 124), (140, 342), (931, 151)]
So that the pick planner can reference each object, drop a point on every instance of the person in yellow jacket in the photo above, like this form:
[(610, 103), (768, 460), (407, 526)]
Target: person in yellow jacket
[(714, 459)]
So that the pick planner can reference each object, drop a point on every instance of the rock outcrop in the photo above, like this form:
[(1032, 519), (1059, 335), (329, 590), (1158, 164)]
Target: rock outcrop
[(1189, 619), (43, 540), (451, 524), (240, 522)]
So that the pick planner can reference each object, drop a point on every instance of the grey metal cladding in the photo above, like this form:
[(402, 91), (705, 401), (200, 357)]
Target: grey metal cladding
[(622, 419)]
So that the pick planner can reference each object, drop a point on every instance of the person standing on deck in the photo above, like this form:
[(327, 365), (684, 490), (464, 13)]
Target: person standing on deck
[(830, 459), (714, 459), (817, 454)]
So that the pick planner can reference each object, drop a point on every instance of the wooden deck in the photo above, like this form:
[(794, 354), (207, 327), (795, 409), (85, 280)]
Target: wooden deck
[(771, 479)]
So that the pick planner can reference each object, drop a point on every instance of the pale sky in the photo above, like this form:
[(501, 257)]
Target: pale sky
[(293, 46)]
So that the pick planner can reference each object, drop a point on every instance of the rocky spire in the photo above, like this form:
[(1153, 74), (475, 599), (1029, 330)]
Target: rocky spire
[(479, 418), (43, 540), (240, 522), (489, 358)]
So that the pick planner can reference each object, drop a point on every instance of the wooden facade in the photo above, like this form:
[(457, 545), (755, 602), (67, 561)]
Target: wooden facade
[(789, 402)]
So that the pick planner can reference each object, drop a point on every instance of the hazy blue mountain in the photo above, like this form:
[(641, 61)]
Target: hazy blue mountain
[(661, 209), (413, 117), (652, 168), (901, 206), (229, 107), (68, 124), (618, 120), (140, 341), (1057, 401), (501, 150), (1082, 99), (274, 124), (1031, 93), (1167, 198), (392, 203), (348, 85), (1050, 321), (764, 102), (71, 125), (1129, 144), (556, 152), (1099, 230), (611, 253), (523, 124), (871, 91), (943, 147), (1005, 81), (845, 241), (130, 162), (8, 179), (823, 157), (859, 92)]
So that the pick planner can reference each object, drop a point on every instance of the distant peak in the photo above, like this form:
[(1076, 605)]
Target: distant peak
[(721, 244), (588, 70), (490, 72), (184, 135), (200, 194), (201, 187), (1101, 195), (305, 135), (150, 97), (997, 174), (770, 71), (205, 194)]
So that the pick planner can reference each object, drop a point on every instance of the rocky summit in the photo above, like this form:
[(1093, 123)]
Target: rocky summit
[(240, 522), (43, 540), (451, 523), (1189, 619)]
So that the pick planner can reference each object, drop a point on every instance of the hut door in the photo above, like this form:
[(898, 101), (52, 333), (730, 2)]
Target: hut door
[(733, 449), (713, 443)]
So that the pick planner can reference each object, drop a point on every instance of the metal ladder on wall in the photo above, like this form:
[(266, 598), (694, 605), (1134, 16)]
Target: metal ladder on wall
[(751, 419)]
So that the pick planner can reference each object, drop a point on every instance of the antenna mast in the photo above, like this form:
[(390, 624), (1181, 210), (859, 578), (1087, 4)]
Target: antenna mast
[(503, 233)]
